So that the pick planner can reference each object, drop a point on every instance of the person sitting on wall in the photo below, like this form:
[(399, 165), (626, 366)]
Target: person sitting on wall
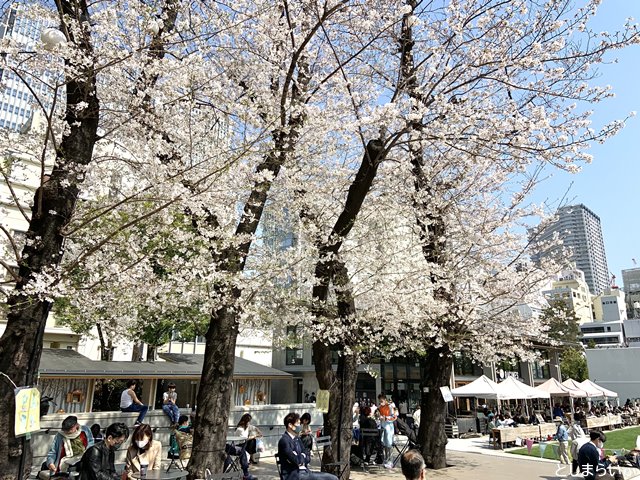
[(129, 402), (67, 447), (98, 461), (169, 399)]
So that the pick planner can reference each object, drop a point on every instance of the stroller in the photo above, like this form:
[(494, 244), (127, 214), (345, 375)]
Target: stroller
[(412, 436)]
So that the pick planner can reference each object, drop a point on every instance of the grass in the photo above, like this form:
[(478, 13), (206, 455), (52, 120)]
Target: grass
[(616, 440)]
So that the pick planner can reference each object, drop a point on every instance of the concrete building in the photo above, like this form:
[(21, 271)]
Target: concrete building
[(610, 306), (632, 332), (580, 230), (603, 333), (631, 288), (615, 369), (571, 288), (610, 313)]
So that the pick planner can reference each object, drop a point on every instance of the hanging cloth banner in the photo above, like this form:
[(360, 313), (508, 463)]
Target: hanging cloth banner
[(556, 451), (27, 410), (322, 401), (543, 447), (529, 444)]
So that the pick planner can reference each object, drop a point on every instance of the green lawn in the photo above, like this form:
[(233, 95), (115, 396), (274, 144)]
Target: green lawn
[(616, 440)]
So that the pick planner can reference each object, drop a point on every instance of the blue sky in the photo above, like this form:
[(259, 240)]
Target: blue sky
[(610, 186)]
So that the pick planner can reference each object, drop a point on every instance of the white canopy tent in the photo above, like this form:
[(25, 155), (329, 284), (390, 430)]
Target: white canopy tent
[(589, 385), (482, 387), (556, 389), (512, 389), (590, 392)]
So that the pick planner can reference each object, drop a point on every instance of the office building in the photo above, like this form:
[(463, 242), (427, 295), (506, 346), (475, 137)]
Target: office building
[(579, 231), (17, 101)]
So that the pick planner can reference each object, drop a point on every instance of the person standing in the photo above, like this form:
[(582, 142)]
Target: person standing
[(413, 465), (577, 439), (387, 417), (129, 402), (98, 460), (169, 399), (562, 436), (294, 464), (68, 446), (416, 418)]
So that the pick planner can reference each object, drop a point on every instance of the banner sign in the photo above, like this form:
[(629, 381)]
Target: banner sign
[(322, 401), (27, 410)]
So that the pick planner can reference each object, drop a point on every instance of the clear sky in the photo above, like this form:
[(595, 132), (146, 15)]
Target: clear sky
[(610, 186)]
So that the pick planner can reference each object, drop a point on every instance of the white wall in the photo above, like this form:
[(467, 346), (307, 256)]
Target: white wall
[(616, 369), (268, 418)]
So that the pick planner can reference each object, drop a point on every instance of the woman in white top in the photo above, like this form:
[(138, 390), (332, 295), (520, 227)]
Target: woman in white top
[(144, 450), (248, 431), (129, 402)]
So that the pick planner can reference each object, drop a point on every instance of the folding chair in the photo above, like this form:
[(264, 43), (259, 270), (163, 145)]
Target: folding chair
[(401, 449), (185, 445), (332, 467), (278, 464), (370, 442), (174, 452), (232, 462)]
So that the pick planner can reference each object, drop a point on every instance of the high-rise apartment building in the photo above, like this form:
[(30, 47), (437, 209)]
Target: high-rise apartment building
[(580, 231), (16, 99)]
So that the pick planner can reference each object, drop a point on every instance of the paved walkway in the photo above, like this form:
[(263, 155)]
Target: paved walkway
[(469, 459)]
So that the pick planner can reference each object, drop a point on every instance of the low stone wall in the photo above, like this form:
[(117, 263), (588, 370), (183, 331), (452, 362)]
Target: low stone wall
[(268, 418)]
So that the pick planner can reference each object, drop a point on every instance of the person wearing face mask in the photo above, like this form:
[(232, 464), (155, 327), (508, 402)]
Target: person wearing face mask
[(294, 464), (591, 467), (144, 450), (387, 417), (98, 461)]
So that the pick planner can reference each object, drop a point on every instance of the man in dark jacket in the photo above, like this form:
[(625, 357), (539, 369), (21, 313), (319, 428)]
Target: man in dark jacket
[(293, 462), (591, 467), (98, 460)]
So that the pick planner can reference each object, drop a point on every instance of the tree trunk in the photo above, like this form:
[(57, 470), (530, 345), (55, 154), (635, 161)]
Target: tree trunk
[(342, 387), (53, 207), (151, 352), (435, 372), (214, 395)]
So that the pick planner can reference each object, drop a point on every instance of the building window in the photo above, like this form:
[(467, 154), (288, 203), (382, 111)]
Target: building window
[(295, 354), (462, 365)]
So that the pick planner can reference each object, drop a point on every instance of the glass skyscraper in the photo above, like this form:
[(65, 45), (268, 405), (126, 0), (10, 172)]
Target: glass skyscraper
[(16, 100)]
